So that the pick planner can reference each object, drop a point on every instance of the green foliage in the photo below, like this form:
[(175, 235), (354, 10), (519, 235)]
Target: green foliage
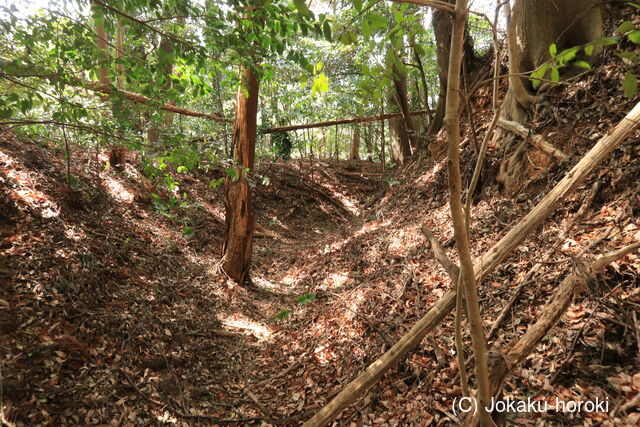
[(282, 145), (630, 85), (283, 315), (306, 298)]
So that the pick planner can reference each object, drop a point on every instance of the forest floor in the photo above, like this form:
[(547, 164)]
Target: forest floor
[(113, 311)]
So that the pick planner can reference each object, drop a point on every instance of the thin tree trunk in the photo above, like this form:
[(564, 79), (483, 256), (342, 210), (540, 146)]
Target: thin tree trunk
[(240, 219), (337, 152), (382, 153), (452, 125), (425, 86), (101, 42), (355, 144), (120, 55)]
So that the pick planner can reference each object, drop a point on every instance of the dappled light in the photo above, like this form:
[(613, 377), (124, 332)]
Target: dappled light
[(314, 213), (23, 188)]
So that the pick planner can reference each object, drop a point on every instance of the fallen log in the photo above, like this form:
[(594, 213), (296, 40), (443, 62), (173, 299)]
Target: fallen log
[(483, 266), (343, 122)]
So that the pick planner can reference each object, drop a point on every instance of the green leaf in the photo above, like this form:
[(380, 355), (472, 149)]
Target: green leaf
[(567, 56), (306, 299), (629, 56), (624, 27), (636, 5), (553, 49), (555, 74), (366, 29), (588, 49), (630, 85), (326, 30), (538, 74), (634, 36), (583, 64), (349, 38), (320, 84), (604, 41), (377, 21), (302, 7), (357, 4), (284, 314), (232, 173), (216, 182)]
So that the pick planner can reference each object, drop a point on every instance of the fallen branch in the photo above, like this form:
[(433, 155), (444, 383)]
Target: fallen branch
[(141, 99), (562, 298), (449, 266), (27, 71), (440, 5), (483, 266), (342, 122), (537, 140)]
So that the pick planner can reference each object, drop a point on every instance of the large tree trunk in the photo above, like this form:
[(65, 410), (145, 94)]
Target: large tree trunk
[(240, 219), (442, 27), (534, 26)]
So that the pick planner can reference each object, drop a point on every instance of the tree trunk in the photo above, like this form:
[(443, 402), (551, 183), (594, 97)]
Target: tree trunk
[(120, 55), (534, 26), (240, 219), (400, 145), (400, 85), (442, 26), (383, 159), (101, 42), (355, 144)]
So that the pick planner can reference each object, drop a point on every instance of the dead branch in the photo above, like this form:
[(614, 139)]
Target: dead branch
[(440, 5), (343, 122), (562, 298), (537, 140), (141, 99), (449, 266), (483, 266)]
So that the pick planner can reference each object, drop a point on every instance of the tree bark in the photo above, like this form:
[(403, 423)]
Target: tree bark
[(400, 145), (355, 144), (240, 218), (532, 26), (101, 43), (452, 125), (442, 26)]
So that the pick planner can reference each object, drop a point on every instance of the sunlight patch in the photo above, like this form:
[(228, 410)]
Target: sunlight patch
[(262, 282), (117, 190), (239, 321), (335, 280), (24, 189)]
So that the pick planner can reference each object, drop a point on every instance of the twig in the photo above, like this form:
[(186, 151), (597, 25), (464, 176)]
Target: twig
[(635, 324)]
